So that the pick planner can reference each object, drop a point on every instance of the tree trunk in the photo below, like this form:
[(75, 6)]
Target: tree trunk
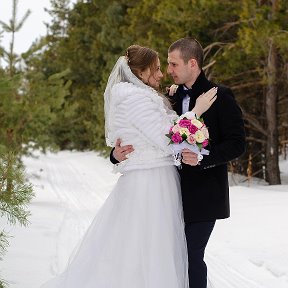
[(272, 161)]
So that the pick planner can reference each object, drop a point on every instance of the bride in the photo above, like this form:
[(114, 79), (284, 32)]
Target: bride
[(137, 239)]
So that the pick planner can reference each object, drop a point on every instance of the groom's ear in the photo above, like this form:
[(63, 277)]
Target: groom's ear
[(192, 63)]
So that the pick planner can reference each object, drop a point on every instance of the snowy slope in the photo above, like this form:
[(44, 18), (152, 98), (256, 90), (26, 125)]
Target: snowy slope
[(248, 250)]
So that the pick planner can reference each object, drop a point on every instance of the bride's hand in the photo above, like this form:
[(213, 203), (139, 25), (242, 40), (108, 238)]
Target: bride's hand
[(204, 101)]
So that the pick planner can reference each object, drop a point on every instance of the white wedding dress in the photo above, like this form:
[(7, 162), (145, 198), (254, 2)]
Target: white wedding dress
[(137, 239)]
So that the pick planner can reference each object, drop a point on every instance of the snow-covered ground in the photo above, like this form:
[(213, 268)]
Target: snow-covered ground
[(248, 250)]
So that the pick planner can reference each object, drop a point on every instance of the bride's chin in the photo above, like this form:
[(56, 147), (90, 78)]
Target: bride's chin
[(156, 86)]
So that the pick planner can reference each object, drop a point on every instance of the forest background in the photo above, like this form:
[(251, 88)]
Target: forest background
[(51, 97)]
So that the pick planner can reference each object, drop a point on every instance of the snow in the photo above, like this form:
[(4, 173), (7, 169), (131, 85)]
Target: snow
[(248, 250)]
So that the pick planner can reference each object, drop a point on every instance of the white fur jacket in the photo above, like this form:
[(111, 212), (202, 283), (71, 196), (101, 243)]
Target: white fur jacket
[(138, 116)]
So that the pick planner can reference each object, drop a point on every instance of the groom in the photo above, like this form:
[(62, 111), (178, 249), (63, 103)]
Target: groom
[(205, 191)]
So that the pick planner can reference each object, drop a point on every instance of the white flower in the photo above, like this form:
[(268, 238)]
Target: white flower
[(188, 115), (197, 123), (199, 136), (205, 132), (184, 131)]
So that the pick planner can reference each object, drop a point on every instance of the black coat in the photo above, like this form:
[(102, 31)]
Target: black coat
[(205, 190)]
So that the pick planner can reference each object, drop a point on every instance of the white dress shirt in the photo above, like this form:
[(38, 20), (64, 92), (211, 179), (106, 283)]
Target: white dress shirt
[(185, 103)]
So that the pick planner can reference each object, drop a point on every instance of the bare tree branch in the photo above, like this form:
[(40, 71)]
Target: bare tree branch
[(255, 123)]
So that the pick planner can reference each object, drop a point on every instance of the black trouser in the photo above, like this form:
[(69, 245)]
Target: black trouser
[(197, 236)]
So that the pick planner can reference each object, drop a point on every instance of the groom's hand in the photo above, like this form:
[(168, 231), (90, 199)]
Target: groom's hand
[(189, 157), (120, 152)]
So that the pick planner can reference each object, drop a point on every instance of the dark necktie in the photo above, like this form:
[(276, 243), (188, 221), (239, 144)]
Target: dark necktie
[(185, 92)]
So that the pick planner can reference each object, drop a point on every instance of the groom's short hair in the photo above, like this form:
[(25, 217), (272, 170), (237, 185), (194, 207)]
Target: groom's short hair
[(189, 48)]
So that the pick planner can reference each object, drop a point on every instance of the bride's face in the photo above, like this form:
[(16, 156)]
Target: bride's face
[(152, 79)]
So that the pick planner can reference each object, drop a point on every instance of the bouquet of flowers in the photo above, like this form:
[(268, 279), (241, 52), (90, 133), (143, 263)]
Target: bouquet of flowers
[(188, 132)]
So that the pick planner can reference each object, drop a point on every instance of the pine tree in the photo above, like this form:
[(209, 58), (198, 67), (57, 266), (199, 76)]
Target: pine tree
[(13, 27), (15, 192), (89, 49), (256, 65), (3, 248), (15, 195), (83, 43)]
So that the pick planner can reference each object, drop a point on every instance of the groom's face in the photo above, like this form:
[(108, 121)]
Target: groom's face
[(181, 72)]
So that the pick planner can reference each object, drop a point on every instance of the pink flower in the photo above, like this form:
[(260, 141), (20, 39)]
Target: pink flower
[(193, 129), (204, 143), (190, 139), (175, 128), (184, 123), (176, 138)]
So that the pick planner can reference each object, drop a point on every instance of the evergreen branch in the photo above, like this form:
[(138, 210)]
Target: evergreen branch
[(14, 10), (3, 243), (15, 194), (6, 27), (22, 21), (12, 25), (15, 214), (59, 75), (36, 46), (3, 283), (3, 248)]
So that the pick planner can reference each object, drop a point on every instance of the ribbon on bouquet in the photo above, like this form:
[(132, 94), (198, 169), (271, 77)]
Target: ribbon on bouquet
[(177, 151)]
